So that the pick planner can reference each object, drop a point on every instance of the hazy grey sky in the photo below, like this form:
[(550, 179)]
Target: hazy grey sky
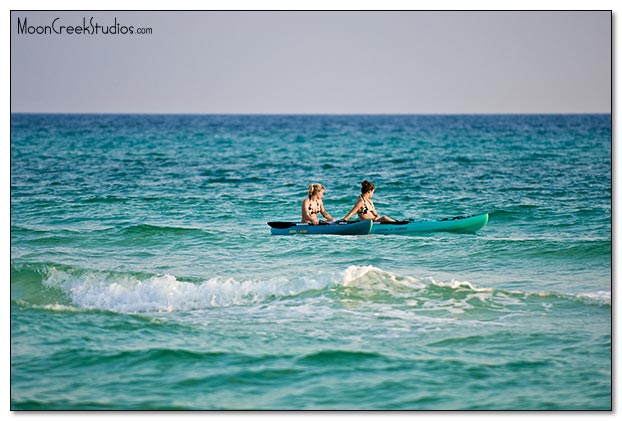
[(316, 62)]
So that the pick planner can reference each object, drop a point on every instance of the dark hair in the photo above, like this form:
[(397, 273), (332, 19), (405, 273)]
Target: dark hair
[(367, 186)]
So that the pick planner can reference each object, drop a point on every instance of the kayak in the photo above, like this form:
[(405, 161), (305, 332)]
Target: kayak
[(337, 228), (458, 224)]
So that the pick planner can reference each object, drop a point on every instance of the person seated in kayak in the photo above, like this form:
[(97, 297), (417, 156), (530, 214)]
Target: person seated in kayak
[(313, 205), (364, 206)]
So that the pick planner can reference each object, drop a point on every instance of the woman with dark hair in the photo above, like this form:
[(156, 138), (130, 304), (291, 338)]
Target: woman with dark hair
[(364, 206)]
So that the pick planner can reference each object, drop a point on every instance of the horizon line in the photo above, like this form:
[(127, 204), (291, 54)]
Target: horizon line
[(307, 114)]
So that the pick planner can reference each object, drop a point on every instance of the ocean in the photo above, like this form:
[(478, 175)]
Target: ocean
[(144, 276)]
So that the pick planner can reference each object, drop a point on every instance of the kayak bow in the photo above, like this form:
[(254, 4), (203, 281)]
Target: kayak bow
[(459, 224)]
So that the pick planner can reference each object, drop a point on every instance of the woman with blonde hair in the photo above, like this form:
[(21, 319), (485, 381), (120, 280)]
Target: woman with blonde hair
[(364, 206), (313, 205)]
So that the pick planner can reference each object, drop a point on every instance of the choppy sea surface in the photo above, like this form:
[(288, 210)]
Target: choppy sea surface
[(143, 274)]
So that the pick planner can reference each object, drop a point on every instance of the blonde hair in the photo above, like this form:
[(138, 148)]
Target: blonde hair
[(315, 188)]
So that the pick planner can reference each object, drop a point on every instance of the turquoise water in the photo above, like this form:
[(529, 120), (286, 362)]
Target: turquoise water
[(144, 276)]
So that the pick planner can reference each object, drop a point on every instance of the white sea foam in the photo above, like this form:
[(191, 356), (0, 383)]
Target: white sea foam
[(129, 293), (165, 293), (371, 276), (598, 297)]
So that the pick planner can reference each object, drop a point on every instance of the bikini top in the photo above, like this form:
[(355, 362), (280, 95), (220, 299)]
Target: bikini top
[(316, 210), (364, 209)]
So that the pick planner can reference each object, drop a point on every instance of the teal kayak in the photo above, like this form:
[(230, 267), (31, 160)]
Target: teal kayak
[(337, 228), (458, 224)]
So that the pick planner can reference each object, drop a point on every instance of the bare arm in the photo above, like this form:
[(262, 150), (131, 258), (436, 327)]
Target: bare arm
[(306, 217), (326, 214), (373, 210), (357, 206)]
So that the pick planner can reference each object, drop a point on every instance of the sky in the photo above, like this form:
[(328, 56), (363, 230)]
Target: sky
[(318, 62)]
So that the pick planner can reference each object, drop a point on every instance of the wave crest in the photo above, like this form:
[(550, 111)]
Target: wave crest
[(49, 285), (158, 293)]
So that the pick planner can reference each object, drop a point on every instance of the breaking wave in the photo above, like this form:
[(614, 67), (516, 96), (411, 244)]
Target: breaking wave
[(57, 286)]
